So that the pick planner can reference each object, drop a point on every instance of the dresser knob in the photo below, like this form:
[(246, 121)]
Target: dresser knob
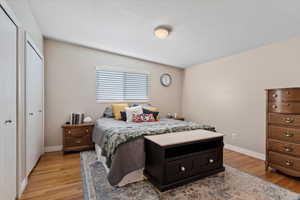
[(182, 168), (275, 95), (288, 149), (69, 132), (211, 160), (274, 106), (87, 130), (288, 163), (287, 134), (289, 120)]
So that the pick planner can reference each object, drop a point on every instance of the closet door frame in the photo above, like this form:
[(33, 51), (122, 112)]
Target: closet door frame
[(29, 41)]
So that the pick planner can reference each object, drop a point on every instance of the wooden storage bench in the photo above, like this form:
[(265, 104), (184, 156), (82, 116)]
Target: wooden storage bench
[(178, 158)]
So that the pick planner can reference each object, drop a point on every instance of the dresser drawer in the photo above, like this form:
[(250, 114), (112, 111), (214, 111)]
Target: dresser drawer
[(77, 141), (284, 134), (286, 161), (179, 169), (289, 94), (283, 119), (280, 107), (77, 132), (284, 147)]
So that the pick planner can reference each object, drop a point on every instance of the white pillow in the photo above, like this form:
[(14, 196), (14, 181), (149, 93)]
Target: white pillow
[(133, 110)]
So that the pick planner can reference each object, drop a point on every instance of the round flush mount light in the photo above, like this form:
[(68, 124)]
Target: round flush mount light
[(162, 32)]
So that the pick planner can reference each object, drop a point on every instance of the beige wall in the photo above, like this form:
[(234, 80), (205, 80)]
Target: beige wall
[(229, 92), (70, 84)]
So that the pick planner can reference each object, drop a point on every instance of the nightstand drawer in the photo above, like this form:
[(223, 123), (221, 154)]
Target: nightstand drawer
[(77, 141), (77, 132)]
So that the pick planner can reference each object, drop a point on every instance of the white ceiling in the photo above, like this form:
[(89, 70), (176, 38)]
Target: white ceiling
[(202, 29)]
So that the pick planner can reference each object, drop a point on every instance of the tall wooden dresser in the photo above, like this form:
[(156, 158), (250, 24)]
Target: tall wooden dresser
[(283, 130)]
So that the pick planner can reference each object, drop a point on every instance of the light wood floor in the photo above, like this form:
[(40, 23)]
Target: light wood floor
[(57, 176)]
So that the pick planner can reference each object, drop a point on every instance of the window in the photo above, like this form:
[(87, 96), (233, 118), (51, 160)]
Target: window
[(113, 85)]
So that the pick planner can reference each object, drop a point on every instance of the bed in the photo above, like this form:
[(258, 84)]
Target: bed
[(120, 145)]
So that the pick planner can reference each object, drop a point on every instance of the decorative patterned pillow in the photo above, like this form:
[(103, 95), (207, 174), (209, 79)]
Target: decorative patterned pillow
[(143, 118), (154, 113), (133, 110)]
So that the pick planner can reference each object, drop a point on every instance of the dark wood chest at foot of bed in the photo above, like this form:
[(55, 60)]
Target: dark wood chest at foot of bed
[(179, 158)]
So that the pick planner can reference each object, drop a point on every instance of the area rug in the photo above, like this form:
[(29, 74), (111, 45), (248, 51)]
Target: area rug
[(232, 184)]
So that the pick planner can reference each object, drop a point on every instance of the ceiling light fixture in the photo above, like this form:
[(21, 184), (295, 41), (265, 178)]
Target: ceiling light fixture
[(162, 32)]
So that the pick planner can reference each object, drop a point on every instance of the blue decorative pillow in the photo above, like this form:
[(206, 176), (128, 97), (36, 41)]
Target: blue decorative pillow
[(123, 116), (154, 113)]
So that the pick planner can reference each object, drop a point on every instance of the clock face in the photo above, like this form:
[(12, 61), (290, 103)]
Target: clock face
[(166, 80)]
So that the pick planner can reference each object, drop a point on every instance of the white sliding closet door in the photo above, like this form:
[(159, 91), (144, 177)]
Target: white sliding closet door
[(34, 107), (8, 91)]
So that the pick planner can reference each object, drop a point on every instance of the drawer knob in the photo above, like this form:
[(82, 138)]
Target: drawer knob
[(274, 106), (211, 160), (69, 132), (78, 141), (87, 130), (182, 168), (275, 95), (288, 149), (289, 120), (288, 163), (287, 134)]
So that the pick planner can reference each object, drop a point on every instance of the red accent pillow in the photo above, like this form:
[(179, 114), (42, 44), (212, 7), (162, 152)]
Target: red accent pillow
[(143, 118)]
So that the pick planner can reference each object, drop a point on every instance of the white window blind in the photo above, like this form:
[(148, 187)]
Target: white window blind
[(121, 86)]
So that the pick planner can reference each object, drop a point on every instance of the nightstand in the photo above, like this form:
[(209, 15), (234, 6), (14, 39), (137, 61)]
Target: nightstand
[(77, 137)]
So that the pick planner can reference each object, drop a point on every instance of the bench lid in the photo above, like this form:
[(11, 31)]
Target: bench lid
[(183, 137)]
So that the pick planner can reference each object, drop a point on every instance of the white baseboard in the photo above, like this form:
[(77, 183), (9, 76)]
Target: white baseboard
[(53, 148), (22, 186), (245, 151)]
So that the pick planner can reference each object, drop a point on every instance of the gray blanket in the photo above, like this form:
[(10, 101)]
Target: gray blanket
[(122, 142)]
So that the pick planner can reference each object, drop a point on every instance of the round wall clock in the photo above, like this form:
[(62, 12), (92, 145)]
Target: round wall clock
[(166, 80)]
